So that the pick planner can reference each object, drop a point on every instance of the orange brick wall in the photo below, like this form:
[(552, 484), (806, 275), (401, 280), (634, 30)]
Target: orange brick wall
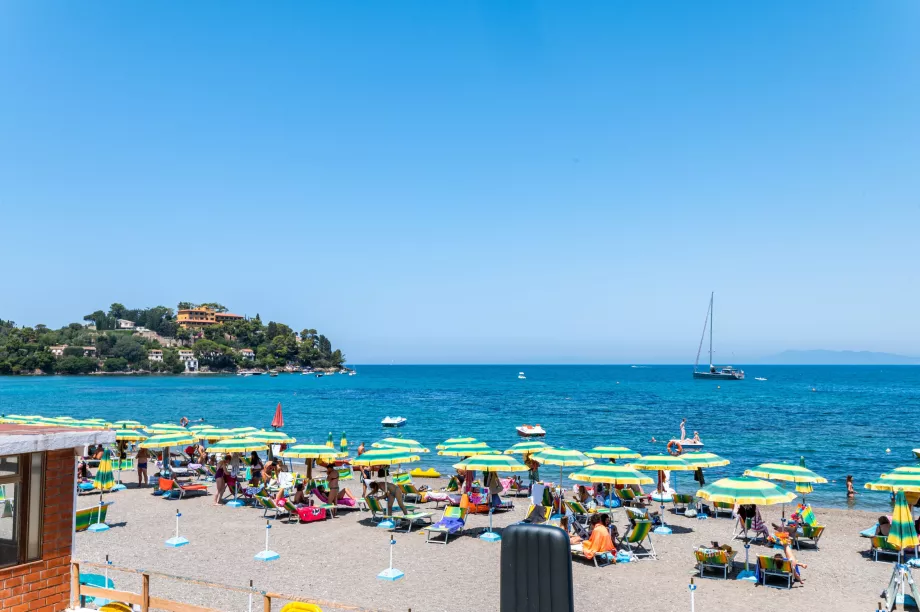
[(44, 586)]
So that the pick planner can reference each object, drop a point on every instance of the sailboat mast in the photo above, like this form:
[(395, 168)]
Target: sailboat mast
[(711, 296)]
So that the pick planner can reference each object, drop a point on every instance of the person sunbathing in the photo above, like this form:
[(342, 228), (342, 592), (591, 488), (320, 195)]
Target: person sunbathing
[(793, 562), (298, 499), (884, 526), (581, 495)]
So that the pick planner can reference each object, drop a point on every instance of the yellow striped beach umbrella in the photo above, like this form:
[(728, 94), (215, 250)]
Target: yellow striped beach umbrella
[(385, 456), (491, 463), (470, 449), (166, 440), (127, 423), (413, 446), (201, 427), (244, 430), (611, 474), (896, 481), (903, 534), (612, 452), (215, 434), (563, 457), (528, 447), (745, 490), (668, 463), (163, 428), (452, 441), (271, 437), (312, 451), (704, 460), (802, 477), (130, 435), (343, 443), (237, 445), (104, 480)]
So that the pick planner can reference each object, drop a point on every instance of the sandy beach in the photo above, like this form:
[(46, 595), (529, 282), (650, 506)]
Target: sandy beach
[(337, 561)]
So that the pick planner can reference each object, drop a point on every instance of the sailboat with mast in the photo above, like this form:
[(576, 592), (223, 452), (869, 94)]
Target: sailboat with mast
[(714, 373)]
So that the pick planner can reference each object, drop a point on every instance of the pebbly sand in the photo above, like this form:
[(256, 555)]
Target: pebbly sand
[(338, 560)]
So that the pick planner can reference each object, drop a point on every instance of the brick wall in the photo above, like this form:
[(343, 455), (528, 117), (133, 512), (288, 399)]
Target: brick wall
[(44, 586)]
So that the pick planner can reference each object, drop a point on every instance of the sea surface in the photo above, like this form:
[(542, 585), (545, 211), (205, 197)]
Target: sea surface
[(857, 420)]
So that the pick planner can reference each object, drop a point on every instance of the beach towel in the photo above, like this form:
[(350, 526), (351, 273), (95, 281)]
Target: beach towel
[(309, 514), (758, 526), (599, 542)]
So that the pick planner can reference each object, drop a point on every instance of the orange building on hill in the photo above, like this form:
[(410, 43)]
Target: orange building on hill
[(196, 318)]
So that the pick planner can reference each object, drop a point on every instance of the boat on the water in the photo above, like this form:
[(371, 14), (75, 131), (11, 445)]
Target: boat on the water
[(714, 373), (685, 444), (759, 378), (393, 421), (531, 431), (521, 376), (917, 453)]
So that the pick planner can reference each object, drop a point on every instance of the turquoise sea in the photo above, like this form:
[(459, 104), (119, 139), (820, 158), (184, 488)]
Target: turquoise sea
[(840, 418)]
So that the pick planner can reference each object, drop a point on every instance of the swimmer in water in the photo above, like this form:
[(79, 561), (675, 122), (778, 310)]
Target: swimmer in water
[(653, 440)]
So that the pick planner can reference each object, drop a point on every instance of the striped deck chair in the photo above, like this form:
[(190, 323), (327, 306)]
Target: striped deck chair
[(722, 508), (681, 502), (453, 484), (413, 518), (810, 529), (880, 546), (87, 516), (452, 522), (628, 497), (346, 473), (605, 558), (538, 514), (634, 541), (715, 558), (641, 514), (402, 478), (269, 505), (582, 512), (411, 492), (768, 567)]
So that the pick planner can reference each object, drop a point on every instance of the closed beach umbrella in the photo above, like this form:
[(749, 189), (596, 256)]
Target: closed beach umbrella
[(451, 441), (215, 434), (104, 480), (413, 446), (491, 463), (611, 474), (527, 447), (745, 490), (237, 445), (343, 443), (278, 419), (612, 452), (903, 534)]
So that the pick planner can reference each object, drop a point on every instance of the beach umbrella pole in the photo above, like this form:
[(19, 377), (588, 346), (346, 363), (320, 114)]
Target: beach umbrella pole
[(391, 573), (236, 486), (692, 589), (747, 574), (267, 555), (490, 536), (177, 540)]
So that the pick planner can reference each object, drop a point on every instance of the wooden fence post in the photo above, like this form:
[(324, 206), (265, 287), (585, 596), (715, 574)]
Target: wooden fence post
[(75, 585), (266, 603), (145, 594)]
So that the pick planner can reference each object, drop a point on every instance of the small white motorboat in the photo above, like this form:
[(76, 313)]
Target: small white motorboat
[(684, 445), (531, 431), (759, 378), (521, 376), (393, 421)]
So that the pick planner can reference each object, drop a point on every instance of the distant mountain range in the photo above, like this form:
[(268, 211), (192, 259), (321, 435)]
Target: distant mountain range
[(821, 357)]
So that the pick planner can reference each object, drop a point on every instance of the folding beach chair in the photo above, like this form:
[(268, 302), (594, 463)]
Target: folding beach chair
[(453, 521), (453, 484), (880, 546), (402, 478), (537, 514), (413, 518), (681, 502), (269, 505), (410, 491), (582, 512), (634, 541), (722, 508), (810, 529), (768, 567), (714, 558), (173, 489)]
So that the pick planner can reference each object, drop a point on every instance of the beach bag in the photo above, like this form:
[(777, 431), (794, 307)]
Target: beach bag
[(690, 513), (309, 514)]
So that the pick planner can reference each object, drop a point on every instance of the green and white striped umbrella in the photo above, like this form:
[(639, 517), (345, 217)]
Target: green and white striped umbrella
[(896, 481), (169, 439), (129, 434), (163, 428), (413, 446), (611, 474), (907, 469), (312, 451), (329, 442), (215, 434), (785, 472), (491, 463), (528, 447), (661, 462), (467, 450), (902, 533), (452, 441), (201, 427), (385, 456), (745, 490), (612, 452), (343, 443), (704, 460), (237, 445), (104, 480), (127, 423), (271, 437), (244, 430), (564, 457)]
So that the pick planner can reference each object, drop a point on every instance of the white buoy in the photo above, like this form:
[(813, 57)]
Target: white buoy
[(177, 540), (887, 450), (267, 555), (391, 573)]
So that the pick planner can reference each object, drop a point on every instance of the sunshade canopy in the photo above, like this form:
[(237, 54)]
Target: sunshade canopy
[(271, 437), (492, 463), (612, 452), (385, 456), (528, 447), (169, 439), (237, 445), (661, 462), (567, 457), (785, 472), (413, 446), (312, 451), (745, 490), (704, 460), (611, 474)]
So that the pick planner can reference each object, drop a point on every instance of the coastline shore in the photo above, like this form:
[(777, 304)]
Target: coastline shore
[(337, 560)]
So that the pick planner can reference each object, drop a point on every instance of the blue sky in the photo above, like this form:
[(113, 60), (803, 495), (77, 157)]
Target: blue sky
[(472, 182)]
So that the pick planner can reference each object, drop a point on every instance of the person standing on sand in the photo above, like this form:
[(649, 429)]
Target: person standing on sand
[(141, 459), (220, 478), (683, 430), (364, 471)]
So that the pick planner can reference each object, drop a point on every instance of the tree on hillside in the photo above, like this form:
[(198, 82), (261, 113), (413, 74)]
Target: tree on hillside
[(129, 348), (214, 306)]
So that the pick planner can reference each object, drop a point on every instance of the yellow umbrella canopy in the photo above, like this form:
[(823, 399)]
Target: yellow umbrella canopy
[(467, 450), (385, 456), (611, 474), (704, 460), (612, 452), (214, 434)]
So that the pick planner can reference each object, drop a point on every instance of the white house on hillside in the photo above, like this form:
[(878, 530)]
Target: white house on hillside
[(188, 358), (124, 324), (155, 355)]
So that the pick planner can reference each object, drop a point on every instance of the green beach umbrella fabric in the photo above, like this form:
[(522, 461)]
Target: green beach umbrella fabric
[(162, 428), (452, 441), (492, 463), (704, 460), (215, 434), (896, 481), (903, 534), (271, 437), (329, 441), (128, 423), (908, 469), (244, 430), (745, 490), (385, 456), (413, 446), (312, 451), (130, 435), (104, 480), (343, 443), (610, 473), (612, 452), (201, 427), (169, 439), (563, 457), (238, 445), (785, 472), (661, 462), (467, 450), (527, 447)]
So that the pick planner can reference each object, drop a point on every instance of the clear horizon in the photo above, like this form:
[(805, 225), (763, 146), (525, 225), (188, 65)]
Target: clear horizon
[(472, 183)]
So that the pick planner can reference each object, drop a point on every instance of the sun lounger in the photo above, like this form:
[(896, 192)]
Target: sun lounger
[(453, 521), (413, 518), (635, 541), (641, 514), (723, 508), (347, 503), (269, 506), (629, 497), (582, 512), (599, 559), (538, 514), (170, 487), (880, 546), (811, 533), (714, 558), (87, 516), (768, 567), (410, 492), (453, 484), (681, 501), (402, 478)]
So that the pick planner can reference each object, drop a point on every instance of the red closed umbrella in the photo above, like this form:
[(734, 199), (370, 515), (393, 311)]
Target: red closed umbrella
[(278, 421)]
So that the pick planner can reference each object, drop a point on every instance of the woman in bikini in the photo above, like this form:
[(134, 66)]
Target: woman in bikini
[(332, 481), (141, 458)]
